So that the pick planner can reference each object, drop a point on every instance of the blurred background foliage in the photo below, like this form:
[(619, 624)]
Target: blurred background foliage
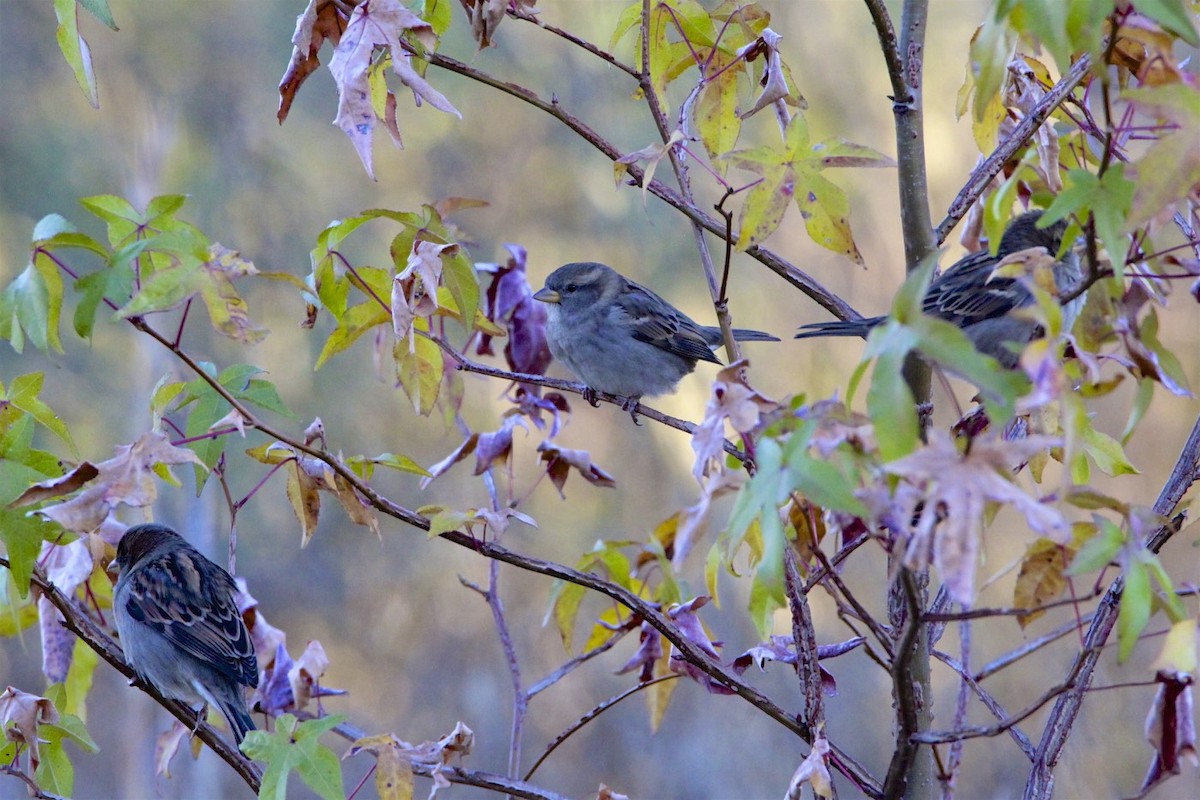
[(187, 105)]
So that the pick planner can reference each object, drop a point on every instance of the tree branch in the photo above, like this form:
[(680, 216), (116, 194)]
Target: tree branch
[(781, 267), (1040, 783), (990, 167), (82, 625)]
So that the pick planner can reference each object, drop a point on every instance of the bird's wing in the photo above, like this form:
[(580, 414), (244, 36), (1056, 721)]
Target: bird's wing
[(656, 322), (963, 294), (193, 608)]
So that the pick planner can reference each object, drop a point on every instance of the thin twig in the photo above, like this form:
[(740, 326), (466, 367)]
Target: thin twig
[(1040, 783), (591, 715), (990, 167), (780, 266), (468, 365)]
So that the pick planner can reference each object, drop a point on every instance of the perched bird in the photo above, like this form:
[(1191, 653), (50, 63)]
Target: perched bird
[(621, 338), (179, 625), (968, 296)]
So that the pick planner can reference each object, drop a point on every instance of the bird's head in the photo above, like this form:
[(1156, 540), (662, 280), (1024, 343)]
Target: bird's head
[(139, 542), (580, 285)]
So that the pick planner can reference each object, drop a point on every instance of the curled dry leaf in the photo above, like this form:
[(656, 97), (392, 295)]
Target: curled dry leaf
[(606, 793), (814, 771), (306, 672), (652, 154), (733, 399), (953, 490), (648, 653), (1170, 728), (560, 460), (1023, 90), (167, 745), (319, 21), (20, 715), (126, 478), (377, 23), (267, 639), (774, 79), (688, 621), (414, 291)]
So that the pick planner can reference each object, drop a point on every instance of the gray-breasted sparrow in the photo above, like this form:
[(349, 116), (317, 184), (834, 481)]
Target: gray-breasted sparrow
[(968, 296), (621, 338), (179, 624)]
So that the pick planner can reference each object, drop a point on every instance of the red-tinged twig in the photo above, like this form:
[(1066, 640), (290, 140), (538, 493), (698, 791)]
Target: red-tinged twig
[(591, 715), (990, 167), (1040, 783), (659, 621)]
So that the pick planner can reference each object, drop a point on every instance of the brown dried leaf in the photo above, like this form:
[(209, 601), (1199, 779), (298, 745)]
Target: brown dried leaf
[(1170, 728), (319, 21), (20, 715), (267, 639), (166, 745), (560, 460), (306, 672), (56, 487), (377, 23), (303, 494), (126, 478), (814, 771), (955, 489), (1042, 578), (733, 399)]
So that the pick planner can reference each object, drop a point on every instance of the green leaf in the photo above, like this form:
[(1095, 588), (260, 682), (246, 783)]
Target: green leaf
[(27, 308), (293, 746), (437, 14), (76, 51), (1134, 613), (76, 688), (23, 394), (356, 321), (1100, 550), (1107, 198), (119, 214), (766, 597), (100, 10), (1107, 453), (565, 599), (892, 407), (419, 371), (458, 274), (716, 116), (23, 535), (826, 212), (54, 773), (820, 480)]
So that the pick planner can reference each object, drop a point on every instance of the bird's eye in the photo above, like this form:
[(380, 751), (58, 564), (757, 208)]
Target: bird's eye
[(570, 287)]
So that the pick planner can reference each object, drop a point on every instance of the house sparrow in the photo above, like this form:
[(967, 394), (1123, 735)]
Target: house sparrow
[(968, 296), (179, 625), (621, 338)]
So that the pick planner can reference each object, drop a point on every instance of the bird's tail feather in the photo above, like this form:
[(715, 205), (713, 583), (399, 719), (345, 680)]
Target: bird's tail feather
[(239, 719), (837, 327), (747, 335)]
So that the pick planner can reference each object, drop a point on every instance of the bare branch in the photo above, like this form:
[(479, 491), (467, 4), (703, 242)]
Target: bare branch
[(1040, 783), (990, 167)]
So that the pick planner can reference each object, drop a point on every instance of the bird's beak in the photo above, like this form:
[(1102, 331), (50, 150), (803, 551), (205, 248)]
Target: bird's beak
[(114, 568), (548, 295)]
